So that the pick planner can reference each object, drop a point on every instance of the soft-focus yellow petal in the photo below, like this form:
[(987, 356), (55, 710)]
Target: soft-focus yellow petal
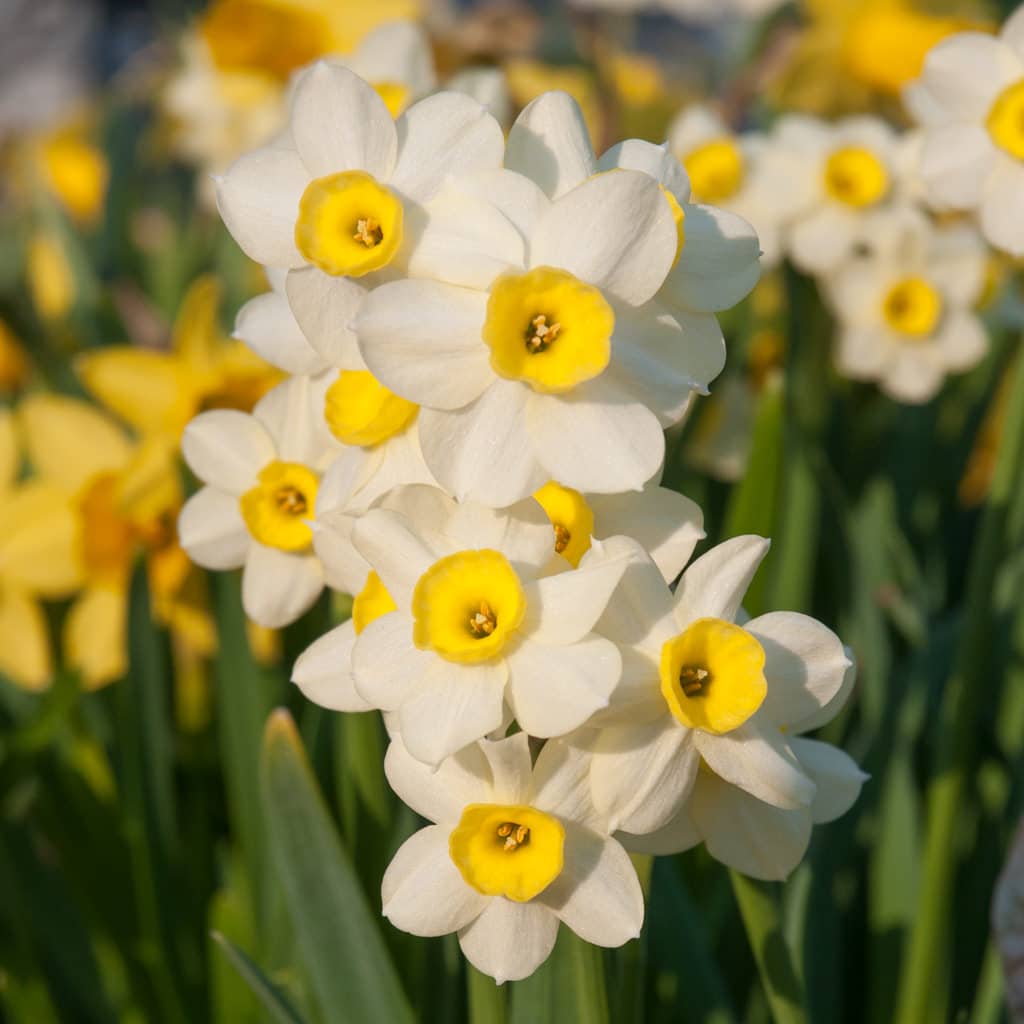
[(149, 488), (39, 541), (152, 391), (51, 281), (77, 172), (197, 334), (68, 441), (94, 636), (24, 642), (10, 456)]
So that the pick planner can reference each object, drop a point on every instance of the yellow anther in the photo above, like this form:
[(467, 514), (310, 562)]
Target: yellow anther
[(368, 231), (693, 679), (482, 623), (291, 500), (541, 334), (562, 537), (514, 834)]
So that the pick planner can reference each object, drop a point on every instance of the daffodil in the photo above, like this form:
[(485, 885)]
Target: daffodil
[(121, 498), (38, 541), (529, 339), (262, 476), (75, 170), (514, 849), (330, 201), (750, 835), (475, 625), (970, 102), (851, 176), (159, 391), (905, 309), (699, 687), (744, 173)]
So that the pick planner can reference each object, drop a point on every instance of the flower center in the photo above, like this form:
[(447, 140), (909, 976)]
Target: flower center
[(360, 411), (1005, 120), (716, 170), (467, 605), (566, 324), (856, 177), (278, 508), (712, 676), (912, 308), (571, 517), (510, 851), (371, 603), (348, 224)]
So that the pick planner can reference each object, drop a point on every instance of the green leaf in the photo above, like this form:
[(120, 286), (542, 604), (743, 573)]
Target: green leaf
[(568, 986), (338, 939), (270, 996)]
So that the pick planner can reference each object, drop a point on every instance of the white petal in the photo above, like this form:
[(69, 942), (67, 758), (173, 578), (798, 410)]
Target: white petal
[(678, 835), (292, 414), (267, 326), (521, 532), (562, 609), (750, 836), (278, 586), (836, 775), (757, 759), (339, 123), (667, 524), (913, 375), (714, 585), (386, 664), (593, 439), (598, 894), (718, 265), (657, 161), (550, 144), (423, 892), (965, 72), (227, 448), (955, 162), (511, 768), (484, 452), (448, 133), (422, 340), (561, 784), (441, 793), (397, 51), (514, 195), (464, 240), (450, 707), (212, 531), (641, 612), (325, 308), (509, 941), (962, 340), (323, 672), (641, 774), (258, 198), (804, 665), (862, 352), (556, 689), (345, 570), (819, 243), (1002, 214), (396, 550), (615, 231)]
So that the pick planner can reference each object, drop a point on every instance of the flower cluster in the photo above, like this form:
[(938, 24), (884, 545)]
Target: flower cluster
[(485, 339)]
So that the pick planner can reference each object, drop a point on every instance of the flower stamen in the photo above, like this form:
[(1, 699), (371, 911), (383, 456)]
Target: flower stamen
[(291, 500), (562, 538), (483, 622), (541, 334), (368, 231), (514, 834), (694, 680)]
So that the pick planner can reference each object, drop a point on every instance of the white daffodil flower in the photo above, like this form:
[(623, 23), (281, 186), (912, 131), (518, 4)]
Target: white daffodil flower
[(758, 838), (534, 351), (970, 102), (696, 687), (851, 176), (667, 525), (906, 308), (475, 627), (262, 474), (746, 174), (328, 201), (716, 262), (515, 849)]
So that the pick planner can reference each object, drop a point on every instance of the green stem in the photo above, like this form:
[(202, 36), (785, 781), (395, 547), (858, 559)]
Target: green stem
[(486, 1000), (957, 725), (763, 922)]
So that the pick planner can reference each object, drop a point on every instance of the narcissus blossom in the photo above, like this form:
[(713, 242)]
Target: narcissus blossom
[(474, 627), (515, 849), (905, 309), (697, 687), (262, 474), (970, 102)]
